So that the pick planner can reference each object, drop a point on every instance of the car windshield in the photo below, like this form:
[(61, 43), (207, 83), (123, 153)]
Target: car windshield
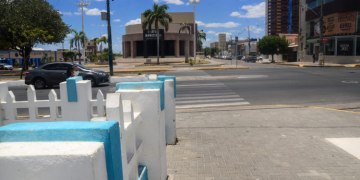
[(82, 67)]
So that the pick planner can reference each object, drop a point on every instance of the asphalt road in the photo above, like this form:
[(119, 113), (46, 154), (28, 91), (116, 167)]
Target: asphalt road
[(274, 84)]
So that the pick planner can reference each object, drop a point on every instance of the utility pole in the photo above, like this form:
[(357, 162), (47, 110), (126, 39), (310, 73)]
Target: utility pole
[(82, 5), (321, 47), (109, 38)]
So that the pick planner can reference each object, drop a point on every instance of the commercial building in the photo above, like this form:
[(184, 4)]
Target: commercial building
[(282, 16), (37, 54), (143, 44), (222, 41), (341, 30), (214, 45)]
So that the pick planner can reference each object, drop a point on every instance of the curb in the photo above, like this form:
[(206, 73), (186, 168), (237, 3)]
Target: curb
[(202, 69), (11, 74)]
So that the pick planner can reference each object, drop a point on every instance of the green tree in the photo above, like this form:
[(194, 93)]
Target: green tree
[(96, 43), (186, 27), (207, 51), (201, 36), (157, 16), (101, 40), (69, 54), (28, 23), (79, 40), (270, 44)]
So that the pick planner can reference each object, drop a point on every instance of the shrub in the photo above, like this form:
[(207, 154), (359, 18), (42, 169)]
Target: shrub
[(191, 62), (139, 73)]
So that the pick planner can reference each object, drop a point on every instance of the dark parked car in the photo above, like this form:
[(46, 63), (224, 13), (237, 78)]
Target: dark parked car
[(55, 73)]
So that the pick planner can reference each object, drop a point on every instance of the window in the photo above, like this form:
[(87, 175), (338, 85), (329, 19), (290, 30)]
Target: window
[(330, 47), (64, 67), (345, 46), (51, 67)]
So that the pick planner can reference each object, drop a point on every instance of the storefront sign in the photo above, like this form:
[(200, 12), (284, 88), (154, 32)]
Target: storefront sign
[(340, 23), (152, 35), (345, 48), (325, 40)]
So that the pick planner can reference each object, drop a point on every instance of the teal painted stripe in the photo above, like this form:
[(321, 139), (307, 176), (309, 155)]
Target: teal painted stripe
[(145, 85), (143, 173), (163, 78), (71, 88), (106, 132)]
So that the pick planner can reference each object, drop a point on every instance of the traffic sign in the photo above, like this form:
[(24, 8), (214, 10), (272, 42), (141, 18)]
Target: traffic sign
[(325, 40)]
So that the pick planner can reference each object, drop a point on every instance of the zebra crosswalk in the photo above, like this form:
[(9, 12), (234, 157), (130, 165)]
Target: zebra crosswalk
[(206, 95)]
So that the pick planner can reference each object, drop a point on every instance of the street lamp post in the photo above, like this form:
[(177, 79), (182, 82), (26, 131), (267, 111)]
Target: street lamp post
[(194, 2)]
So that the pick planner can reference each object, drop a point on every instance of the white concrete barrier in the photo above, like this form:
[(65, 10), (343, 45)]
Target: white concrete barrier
[(144, 113), (43, 160), (129, 79)]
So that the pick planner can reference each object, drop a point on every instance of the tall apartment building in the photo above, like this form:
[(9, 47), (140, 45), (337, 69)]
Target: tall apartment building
[(214, 45), (222, 41), (282, 17)]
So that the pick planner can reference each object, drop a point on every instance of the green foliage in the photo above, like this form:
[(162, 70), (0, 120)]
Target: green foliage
[(106, 50), (201, 35), (139, 73), (270, 44), (191, 62), (106, 56), (16, 65), (27, 23), (93, 57), (200, 44), (51, 58), (207, 51), (69, 54)]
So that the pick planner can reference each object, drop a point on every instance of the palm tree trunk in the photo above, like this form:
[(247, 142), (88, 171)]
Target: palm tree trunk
[(186, 50), (158, 60), (79, 52), (101, 60)]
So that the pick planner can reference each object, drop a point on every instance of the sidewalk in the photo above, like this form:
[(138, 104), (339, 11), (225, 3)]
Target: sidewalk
[(265, 142)]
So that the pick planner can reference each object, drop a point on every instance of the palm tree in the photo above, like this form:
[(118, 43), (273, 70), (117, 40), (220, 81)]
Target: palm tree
[(104, 40), (155, 16), (186, 27), (201, 37), (79, 39), (96, 42)]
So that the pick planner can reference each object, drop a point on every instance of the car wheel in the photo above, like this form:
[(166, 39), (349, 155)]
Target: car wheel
[(39, 83), (93, 83)]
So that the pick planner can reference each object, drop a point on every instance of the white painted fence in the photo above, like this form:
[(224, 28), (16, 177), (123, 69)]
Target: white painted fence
[(141, 118)]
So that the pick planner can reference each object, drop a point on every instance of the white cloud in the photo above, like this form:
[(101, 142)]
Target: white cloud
[(211, 32), (99, 0), (216, 25), (187, 3), (136, 21), (255, 11), (121, 26), (117, 20), (94, 12), (117, 38), (93, 25), (208, 40), (234, 30), (104, 35), (177, 2), (66, 13), (69, 35), (241, 38), (258, 30), (77, 13)]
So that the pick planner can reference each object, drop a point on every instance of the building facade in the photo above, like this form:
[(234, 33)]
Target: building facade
[(222, 41), (341, 29), (282, 16), (214, 45), (139, 43)]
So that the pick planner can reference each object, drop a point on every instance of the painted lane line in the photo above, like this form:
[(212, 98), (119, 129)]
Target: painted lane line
[(209, 100), (203, 94), (211, 105), (208, 97)]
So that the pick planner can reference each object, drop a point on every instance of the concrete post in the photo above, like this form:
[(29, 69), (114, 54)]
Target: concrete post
[(148, 98), (75, 97)]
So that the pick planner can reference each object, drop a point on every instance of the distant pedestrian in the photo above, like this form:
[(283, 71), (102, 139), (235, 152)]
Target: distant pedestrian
[(314, 57)]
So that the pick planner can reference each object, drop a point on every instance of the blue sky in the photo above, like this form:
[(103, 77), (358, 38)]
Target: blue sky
[(213, 16)]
